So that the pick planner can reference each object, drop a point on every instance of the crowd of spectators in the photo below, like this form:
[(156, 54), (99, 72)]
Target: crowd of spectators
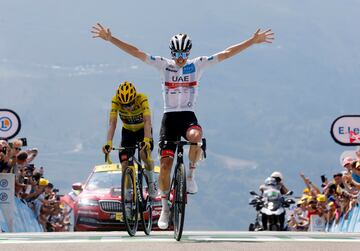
[(31, 187), (331, 200)]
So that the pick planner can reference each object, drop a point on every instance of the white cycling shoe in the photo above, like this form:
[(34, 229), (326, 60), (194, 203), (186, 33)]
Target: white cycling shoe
[(191, 185), (152, 190), (163, 222)]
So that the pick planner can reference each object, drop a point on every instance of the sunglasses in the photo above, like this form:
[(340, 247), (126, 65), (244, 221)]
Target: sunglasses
[(18, 149), (128, 105), (183, 55)]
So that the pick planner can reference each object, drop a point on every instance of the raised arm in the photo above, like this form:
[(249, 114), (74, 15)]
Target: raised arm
[(99, 31), (258, 37)]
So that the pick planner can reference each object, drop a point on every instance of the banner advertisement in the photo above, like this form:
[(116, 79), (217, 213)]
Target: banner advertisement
[(7, 197), (345, 130), (10, 124), (317, 223)]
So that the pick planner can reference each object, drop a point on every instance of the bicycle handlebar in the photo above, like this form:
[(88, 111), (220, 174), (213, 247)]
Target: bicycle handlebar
[(202, 144), (107, 155)]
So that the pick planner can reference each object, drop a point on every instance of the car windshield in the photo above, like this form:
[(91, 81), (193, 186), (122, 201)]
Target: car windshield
[(101, 180)]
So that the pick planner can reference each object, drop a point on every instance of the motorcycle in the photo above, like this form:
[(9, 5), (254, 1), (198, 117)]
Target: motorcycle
[(270, 209), (257, 203)]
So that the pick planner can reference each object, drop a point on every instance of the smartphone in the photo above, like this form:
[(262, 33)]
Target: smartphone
[(28, 189), (323, 178), (24, 141)]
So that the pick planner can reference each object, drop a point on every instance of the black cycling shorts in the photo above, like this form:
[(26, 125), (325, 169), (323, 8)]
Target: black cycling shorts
[(174, 125), (129, 139)]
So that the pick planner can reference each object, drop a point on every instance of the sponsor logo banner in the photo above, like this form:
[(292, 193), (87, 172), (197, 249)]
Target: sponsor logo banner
[(10, 124), (317, 223), (7, 200), (345, 130)]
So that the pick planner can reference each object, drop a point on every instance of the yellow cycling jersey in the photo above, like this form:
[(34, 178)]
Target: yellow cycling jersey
[(133, 120)]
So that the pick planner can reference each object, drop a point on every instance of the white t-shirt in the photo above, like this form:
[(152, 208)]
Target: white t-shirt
[(180, 84)]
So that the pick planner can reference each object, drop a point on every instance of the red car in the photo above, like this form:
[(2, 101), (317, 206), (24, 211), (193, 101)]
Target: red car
[(97, 205)]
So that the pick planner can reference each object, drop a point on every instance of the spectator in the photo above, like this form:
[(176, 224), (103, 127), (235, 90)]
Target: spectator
[(5, 155), (298, 220)]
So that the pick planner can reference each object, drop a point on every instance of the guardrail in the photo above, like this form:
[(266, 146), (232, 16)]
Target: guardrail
[(351, 224), (24, 219), (3, 224)]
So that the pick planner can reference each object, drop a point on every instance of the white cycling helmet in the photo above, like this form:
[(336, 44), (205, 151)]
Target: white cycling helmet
[(180, 43), (277, 175)]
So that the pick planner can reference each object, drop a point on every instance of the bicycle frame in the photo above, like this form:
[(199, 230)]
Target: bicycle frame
[(180, 195), (137, 181)]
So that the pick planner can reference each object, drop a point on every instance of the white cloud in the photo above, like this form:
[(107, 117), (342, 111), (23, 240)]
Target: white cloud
[(234, 163), (78, 148)]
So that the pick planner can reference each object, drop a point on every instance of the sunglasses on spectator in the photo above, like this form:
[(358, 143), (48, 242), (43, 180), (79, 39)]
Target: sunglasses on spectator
[(128, 105), (17, 148), (177, 54)]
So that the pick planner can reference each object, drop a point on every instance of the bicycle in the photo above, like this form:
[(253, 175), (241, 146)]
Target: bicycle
[(134, 200), (178, 186)]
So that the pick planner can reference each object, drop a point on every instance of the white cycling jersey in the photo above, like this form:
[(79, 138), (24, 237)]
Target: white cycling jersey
[(180, 84)]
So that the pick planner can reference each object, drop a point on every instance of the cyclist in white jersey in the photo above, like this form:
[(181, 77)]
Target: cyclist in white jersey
[(180, 82)]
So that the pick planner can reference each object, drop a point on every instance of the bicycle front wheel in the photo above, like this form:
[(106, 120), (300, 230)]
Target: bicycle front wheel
[(179, 201), (146, 205), (129, 200)]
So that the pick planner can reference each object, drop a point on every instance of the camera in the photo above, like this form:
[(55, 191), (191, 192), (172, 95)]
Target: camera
[(55, 190), (26, 180), (24, 141), (30, 169)]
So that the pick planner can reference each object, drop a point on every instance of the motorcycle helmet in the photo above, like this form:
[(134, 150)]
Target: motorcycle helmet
[(277, 176), (126, 92), (270, 181)]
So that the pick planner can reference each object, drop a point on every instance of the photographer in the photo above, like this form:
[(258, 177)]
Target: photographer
[(5, 155)]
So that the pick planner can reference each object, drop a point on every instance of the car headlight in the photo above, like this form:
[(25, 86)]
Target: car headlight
[(88, 203)]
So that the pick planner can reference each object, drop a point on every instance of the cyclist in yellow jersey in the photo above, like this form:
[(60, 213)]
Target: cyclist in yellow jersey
[(134, 111)]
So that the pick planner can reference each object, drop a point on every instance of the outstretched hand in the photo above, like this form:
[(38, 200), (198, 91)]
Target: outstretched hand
[(99, 31), (263, 36)]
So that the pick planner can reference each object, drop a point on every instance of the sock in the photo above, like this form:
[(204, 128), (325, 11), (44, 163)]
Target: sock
[(192, 167), (149, 175), (164, 200)]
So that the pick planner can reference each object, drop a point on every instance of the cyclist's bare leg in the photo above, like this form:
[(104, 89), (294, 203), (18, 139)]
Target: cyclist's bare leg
[(145, 156), (194, 135), (165, 171), (164, 184), (124, 164)]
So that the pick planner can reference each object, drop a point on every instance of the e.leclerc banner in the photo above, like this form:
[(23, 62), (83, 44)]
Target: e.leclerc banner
[(345, 130), (10, 124)]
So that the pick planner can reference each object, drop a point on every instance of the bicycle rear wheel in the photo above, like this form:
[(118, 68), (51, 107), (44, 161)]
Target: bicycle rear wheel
[(146, 205), (179, 200), (130, 201)]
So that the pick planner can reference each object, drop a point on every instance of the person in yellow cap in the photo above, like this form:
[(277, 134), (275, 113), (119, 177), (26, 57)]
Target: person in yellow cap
[(134, 111), (306, 191), (43, 182)]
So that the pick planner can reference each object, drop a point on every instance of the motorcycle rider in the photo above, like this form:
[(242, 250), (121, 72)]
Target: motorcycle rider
[(270, 183), (279, 182)]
